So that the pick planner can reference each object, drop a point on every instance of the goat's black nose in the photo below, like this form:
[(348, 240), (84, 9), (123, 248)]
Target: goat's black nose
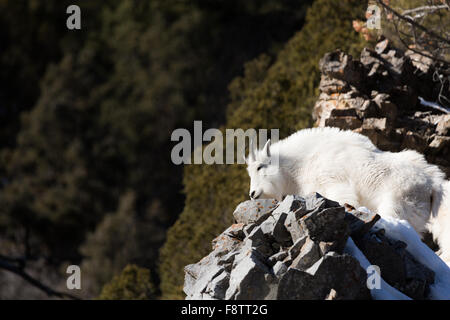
[(252, 194)]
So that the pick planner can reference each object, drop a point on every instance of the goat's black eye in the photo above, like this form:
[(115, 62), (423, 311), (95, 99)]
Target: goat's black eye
[(260, 167)]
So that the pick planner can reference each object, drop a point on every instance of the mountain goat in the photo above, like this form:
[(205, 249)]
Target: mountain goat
[(346, 167)]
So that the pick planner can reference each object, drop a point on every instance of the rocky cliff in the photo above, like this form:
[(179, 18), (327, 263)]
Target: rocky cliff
[(298, 249), (384, 96), (313, 248)]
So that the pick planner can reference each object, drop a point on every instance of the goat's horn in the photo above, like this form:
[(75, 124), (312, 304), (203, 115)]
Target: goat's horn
[(266, 149)]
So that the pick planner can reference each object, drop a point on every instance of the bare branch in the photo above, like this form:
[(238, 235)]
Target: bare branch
[(425, 8), (16, 266), (412, 22)]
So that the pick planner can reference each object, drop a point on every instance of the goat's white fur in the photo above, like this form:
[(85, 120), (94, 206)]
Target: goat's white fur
[(346, 167)]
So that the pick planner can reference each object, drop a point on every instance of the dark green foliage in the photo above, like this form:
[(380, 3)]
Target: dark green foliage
[(32, 36), (121, 238), (278, 95), (99, 126), (134, 283)]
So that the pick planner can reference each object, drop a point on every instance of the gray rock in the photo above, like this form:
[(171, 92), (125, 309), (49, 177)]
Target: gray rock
[(280, 256), (247, 279), (274, 228), (309, 254), (327, 225), (224, 244), (315, 201), (292, 225), (341, 66), (379, 251), (291, 203), (228, 258), (279, 269), (317, 219), (280, 233), (249, 228), (217, 288), (359, 222), (199, 276), (294, 250), (260, 241), (342, 273), (236, 231), (254, 211), (299, 285)]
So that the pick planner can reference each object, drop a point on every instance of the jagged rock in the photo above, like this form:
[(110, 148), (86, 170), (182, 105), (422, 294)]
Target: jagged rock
[(360, 222), (398, 266), (247, 279), (217, 288), (295, 207), (342, 273), (297, 246), (421, 62), (309, 254), (224, 244), (295, 251), (274, 227), (341, 66), (280, 256), (315, 202), (236, 231), (279, 268), (443, 126), (199, 276), (254, 211), (328, 226)]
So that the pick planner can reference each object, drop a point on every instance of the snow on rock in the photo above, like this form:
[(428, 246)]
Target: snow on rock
[(385, 292), (402, 230)]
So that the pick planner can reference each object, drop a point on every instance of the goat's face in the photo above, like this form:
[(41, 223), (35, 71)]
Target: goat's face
[(266, 182)]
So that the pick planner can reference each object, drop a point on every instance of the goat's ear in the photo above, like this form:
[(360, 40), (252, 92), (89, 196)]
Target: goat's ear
[(266, 149)]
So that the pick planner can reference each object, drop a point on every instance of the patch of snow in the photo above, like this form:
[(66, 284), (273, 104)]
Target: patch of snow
[(402, 230), (385, 292), (433, 105)]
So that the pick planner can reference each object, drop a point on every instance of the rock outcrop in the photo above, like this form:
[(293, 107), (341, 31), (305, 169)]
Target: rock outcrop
[(295, 250), (380, 96), (298, 249)]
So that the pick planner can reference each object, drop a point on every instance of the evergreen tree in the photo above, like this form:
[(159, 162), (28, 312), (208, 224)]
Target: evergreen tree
[(133, 283)]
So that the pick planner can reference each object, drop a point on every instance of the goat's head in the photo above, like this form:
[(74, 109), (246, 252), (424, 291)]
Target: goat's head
[(265, 179)]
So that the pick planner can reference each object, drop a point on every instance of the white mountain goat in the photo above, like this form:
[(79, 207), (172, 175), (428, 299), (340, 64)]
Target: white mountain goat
[(346, 167)]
